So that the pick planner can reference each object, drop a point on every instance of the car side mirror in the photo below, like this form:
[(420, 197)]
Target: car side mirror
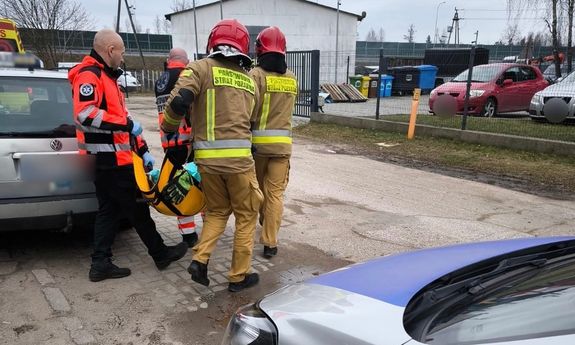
[(507, 82)]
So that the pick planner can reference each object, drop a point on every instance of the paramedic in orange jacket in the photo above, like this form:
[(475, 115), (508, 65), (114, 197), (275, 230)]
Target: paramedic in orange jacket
[(271, 132), (105, 130), (176, 145), (219, 96)]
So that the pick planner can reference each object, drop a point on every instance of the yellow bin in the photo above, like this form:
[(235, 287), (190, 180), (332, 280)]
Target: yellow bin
[(364, 89)]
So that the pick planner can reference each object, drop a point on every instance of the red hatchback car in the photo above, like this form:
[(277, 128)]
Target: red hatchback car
[(495, 88)]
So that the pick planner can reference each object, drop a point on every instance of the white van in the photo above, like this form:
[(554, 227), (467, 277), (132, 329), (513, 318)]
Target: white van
[(65, 66)]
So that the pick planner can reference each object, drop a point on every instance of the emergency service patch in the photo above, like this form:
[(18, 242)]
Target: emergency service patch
[(228, 77), (281, 84), (163, 81), (86, 92)]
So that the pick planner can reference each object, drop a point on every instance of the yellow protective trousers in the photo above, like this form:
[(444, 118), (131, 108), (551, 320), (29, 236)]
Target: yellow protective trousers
[(227, 193), (273, 176)]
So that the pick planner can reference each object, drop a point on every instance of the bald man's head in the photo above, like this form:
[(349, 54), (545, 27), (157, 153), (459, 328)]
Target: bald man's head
[(110, 46), (178, 54)]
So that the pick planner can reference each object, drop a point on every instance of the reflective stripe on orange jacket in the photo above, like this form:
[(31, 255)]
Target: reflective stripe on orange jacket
[(103, 124), (162, 89)]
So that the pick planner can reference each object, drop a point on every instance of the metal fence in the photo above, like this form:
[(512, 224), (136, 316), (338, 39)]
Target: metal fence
[(367, 52), (502, 99), (305, 65), (82, 41)]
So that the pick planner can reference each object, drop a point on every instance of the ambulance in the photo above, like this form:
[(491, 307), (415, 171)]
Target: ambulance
[(9, 38)]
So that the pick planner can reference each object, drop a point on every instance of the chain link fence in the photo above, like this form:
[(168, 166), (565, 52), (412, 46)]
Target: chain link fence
[(512, 99)]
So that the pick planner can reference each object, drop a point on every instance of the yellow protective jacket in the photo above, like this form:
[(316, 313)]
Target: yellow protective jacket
[(271, 132), (223, 106)]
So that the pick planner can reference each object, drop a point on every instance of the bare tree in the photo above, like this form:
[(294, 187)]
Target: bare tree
[(410, 36), (570, 9), (381, 35), (157, 25), (180, 5), (45, 21), (510, 34), (552, 19), (167, 26), (371, 36)]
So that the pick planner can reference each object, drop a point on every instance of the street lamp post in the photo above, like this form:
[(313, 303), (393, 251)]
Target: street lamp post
[(336, 38), (436, 15)]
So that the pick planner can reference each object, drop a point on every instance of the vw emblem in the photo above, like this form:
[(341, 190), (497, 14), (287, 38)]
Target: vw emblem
[(56, 145)]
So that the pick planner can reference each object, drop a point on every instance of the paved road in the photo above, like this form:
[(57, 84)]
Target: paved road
[(340, 208)]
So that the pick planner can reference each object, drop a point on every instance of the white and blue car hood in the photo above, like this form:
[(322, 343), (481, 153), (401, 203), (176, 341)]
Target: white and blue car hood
[(364, 303)]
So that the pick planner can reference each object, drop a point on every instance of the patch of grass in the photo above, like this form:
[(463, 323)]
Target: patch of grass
[(514, 126), (542, 169)]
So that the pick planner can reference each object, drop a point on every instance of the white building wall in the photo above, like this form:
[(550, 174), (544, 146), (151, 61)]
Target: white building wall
[(307, 26)]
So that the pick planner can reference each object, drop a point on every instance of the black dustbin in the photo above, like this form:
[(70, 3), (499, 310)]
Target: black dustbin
[(406, 78), (372, 87)]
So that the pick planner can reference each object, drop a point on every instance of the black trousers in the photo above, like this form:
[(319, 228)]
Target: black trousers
[(117, 192)]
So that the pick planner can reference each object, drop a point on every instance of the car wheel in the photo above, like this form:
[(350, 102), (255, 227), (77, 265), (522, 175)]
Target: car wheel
[(490, 108)]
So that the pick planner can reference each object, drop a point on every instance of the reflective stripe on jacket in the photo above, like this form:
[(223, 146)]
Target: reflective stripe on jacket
[(102, 122), (162, 88), (223, 106), (271, 132)]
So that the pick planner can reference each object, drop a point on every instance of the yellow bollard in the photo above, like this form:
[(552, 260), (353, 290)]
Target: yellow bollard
[(413, 115)]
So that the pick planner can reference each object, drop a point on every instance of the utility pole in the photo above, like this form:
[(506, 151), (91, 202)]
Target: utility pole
[(196, 28), (336, 38), (135, 33), (454, 27), (118, 16), (221, 11)]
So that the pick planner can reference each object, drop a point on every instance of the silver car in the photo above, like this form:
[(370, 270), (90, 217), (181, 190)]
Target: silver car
[(44, 182), (556, 103)]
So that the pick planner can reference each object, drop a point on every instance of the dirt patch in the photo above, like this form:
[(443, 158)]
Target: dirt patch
[(23, 329), (288, 269), (534, 173)]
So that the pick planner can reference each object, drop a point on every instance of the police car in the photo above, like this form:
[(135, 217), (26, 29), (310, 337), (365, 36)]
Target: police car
[(512, 292), (44, 182)]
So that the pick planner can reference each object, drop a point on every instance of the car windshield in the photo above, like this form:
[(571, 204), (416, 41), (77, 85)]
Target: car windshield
[(36, 107), (540, 306), (550, 70), (569, 79), (481, 74)]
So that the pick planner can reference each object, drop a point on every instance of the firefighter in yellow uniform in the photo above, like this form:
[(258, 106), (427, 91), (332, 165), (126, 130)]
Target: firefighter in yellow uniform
[(271, 132), (220, 97)]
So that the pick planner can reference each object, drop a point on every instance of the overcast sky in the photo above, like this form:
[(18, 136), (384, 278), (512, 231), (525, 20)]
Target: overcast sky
[(489, 17)]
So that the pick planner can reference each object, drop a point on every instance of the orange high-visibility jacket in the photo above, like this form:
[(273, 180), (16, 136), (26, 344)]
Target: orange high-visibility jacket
[(103, 124)]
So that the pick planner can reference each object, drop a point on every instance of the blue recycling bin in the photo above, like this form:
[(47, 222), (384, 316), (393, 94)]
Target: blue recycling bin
[(427, 74), (385, 86)]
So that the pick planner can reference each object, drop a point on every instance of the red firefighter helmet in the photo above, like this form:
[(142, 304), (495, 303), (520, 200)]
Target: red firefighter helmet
[(271, 40), (229, 32)]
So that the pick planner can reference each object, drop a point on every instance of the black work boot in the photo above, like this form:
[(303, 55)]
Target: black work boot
[(190, 239), (270, 252), (249, 281), (173, 253), (199, 272), (106, 270)]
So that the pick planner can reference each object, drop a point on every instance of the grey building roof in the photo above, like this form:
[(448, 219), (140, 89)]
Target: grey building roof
[(359, 16)]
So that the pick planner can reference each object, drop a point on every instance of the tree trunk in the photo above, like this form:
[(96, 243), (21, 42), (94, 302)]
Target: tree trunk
[(571, 8), (554, 36)]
